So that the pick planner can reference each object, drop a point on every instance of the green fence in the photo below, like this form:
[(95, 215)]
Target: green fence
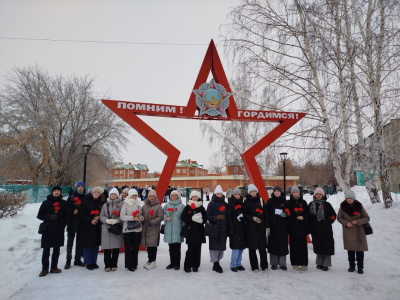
[(34, 193)]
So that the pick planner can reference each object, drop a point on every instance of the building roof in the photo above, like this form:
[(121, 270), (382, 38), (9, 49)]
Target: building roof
[(188, 164), (137, 167)]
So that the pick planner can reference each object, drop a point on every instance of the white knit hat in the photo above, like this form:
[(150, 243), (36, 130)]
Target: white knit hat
[(114, 191), (132, 192), (194, 193), (218, 189)]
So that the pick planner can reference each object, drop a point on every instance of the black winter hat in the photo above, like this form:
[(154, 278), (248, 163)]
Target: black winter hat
[(277, 188), (56, 187)]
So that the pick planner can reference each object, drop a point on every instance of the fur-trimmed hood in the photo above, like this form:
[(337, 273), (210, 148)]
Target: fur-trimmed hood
[(350, 208)]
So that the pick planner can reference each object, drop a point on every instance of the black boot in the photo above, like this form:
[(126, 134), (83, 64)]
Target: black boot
[(67, 264), (79, 263), (170, 266), (217, 268), (352, 268), (360, 271)]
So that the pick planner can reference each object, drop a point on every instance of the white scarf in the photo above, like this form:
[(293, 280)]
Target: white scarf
[(197, 203), (131, 201)]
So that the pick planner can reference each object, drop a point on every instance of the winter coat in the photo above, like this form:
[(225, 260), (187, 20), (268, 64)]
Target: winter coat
[(172, 230), (216, 207), (54, 233), (90, 235), (127, 209), (108, 239), (73, 222), (278, 221), (354, 238), (237, 228), (153, 213), (195, 231), (297, 207), (321, 231), (255, 232)]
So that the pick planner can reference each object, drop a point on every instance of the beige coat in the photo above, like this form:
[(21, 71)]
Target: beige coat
[(151, 234), (354, 238)]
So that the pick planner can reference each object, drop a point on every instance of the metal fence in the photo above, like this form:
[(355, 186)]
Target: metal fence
[(34, 193)]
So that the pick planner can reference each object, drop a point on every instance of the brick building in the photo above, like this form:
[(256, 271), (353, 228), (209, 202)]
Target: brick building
[(129, 171), (189, 168)]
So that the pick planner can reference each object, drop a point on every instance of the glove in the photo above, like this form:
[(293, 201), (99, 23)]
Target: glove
[(53, 217), (111, 221), (197, 219), (257, 220), (148, 224), (220, 217), (268, 231)]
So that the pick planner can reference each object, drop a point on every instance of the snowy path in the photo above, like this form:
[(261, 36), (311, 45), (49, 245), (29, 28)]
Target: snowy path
[(20, 258)]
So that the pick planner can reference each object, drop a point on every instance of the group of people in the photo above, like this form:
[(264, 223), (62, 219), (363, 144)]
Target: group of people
[(248, 221)]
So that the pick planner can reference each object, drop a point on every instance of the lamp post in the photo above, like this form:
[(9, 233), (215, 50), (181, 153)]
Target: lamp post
[(283, 157), (85, 149)]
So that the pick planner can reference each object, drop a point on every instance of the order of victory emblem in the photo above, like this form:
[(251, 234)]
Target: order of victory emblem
[(212, 99)]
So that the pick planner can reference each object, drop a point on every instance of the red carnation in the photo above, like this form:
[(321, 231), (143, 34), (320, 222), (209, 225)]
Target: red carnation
[(76, 198), (135, 213), (114, 214), (222, 208), (238, 207), (95, 212), (151, 212), (296, 209), (355, 213), (259, 211), (170, 209), (56, 204), (193, 206), (300, 209), (287, 212), (333, 218), (57, 208)]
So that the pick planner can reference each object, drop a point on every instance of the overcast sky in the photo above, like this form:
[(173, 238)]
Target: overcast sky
[(133, 72)]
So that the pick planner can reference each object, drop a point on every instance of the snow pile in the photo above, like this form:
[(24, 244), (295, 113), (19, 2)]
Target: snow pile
[(20, 258)]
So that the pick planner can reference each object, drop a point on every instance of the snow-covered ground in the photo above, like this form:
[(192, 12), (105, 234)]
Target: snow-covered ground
[(20, 261)]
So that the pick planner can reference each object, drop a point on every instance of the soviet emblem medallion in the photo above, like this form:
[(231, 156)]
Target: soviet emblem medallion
[(212, 99)]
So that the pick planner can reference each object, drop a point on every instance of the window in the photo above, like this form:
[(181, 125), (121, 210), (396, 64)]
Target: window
[(178, 170), (144, 173), (192, 171), (121, 177), (121, 172), (130, 177), (116, 171), (184, 171), (116, 177), (130, 172)]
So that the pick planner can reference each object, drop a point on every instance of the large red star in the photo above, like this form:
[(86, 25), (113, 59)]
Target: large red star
[(129, 112)]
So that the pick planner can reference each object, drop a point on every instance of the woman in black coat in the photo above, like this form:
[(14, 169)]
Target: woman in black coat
[(216, 214), (256, 225), (298, 215), (89, 215), (278, 233), (322, 215), (194, 216), (237, 227), (54, 212)]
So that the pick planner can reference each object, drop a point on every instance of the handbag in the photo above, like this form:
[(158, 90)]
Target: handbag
[(162, 228), (185, 231), (114, 228), (368, 229), (212, 230), (43, 226), (131, 225)]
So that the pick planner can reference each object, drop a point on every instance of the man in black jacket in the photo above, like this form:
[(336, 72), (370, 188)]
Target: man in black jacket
[(74, 202)]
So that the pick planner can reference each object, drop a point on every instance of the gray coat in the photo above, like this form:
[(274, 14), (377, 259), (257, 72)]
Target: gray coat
[(110, 240), (128, 208), (153, 213), (172, 230)]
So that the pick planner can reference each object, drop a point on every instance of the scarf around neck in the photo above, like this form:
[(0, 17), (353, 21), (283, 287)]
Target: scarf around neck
[(318, 209)]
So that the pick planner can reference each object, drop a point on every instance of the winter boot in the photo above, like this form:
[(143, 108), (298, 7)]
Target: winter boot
[(170, 266), (67, 264), (79, 263), (43, 273), (217, 267), (352, 268), (360, 271)]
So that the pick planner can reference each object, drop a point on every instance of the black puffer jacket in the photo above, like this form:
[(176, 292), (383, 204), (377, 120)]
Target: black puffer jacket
[(278, 239), (73, 223), (196, 230), (54, 233), (216, 207), (255, 232), (90, 234), (297, 207), (237, 228)]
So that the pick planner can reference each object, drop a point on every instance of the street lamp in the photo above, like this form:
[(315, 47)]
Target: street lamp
[(85, 149), (283, 157)]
